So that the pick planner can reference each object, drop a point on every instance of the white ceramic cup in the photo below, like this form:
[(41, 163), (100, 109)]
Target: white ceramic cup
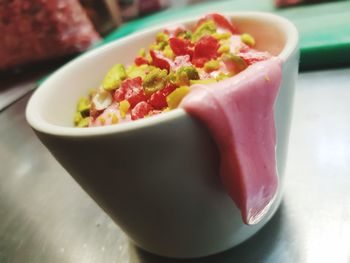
[(158, 178)]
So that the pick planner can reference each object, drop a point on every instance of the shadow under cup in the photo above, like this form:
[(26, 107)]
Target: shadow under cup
[(158, 178)]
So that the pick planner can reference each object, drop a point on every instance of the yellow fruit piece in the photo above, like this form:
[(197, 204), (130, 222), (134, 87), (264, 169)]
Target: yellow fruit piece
[(248, 39), (174, 98), (123, 108), (114, 77)]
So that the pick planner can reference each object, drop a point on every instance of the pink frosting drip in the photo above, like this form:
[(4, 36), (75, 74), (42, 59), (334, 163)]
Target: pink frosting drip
[(239, 113)]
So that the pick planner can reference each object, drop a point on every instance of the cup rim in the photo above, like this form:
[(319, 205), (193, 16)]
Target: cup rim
[(40, 124)]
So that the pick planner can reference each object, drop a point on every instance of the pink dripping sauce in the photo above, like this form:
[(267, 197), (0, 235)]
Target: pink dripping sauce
[(239, 113)]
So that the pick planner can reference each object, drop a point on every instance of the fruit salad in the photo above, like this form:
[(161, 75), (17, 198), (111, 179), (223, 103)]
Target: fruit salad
[(162, 74)]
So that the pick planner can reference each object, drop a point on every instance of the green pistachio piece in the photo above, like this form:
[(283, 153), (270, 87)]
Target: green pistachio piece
[(92, 92), (223, 76), (154, 46), (84, 122), (248, 39), (114, 77), (142, 52), (185, 74), (134, 71), (168, 52), (171, 78), (206, 28), (224, 49), (211, 65), (238, 62), (155, 80), (162, 45), (203, 81), (174, 98), (77, 118), (162, 37), (84, 106), (222, 36), (185, 35), (158, 46)]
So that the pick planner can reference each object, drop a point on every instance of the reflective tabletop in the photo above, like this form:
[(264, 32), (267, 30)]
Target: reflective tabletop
[(46, 217)]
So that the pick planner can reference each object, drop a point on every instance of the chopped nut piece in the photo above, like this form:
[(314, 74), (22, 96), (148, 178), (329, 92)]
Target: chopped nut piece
[(102, 120), (174, 98), (248, 39), (142, 52), (114, 119), (185, 74), (134, 71), (84, 106), (222, 36), (168, 52), (235, 63), (211, 65), (123, 108), (155, 80), (222, 76), (114, 77), (206, 28), (185, 35), (84, 122), (203, 81), (162, 37), (77, 118), (102, 100), (224, 49)]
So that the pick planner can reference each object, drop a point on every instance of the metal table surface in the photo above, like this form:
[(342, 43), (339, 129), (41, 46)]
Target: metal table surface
[(46, 217)]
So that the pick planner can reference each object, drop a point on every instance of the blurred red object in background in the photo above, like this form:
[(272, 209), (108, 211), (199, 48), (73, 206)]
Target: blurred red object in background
[(36, 30)]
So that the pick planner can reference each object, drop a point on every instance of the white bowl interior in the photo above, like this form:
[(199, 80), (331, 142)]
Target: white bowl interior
[(52, 107)]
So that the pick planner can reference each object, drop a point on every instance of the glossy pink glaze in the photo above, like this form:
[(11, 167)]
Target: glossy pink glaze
[(239, 113)]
